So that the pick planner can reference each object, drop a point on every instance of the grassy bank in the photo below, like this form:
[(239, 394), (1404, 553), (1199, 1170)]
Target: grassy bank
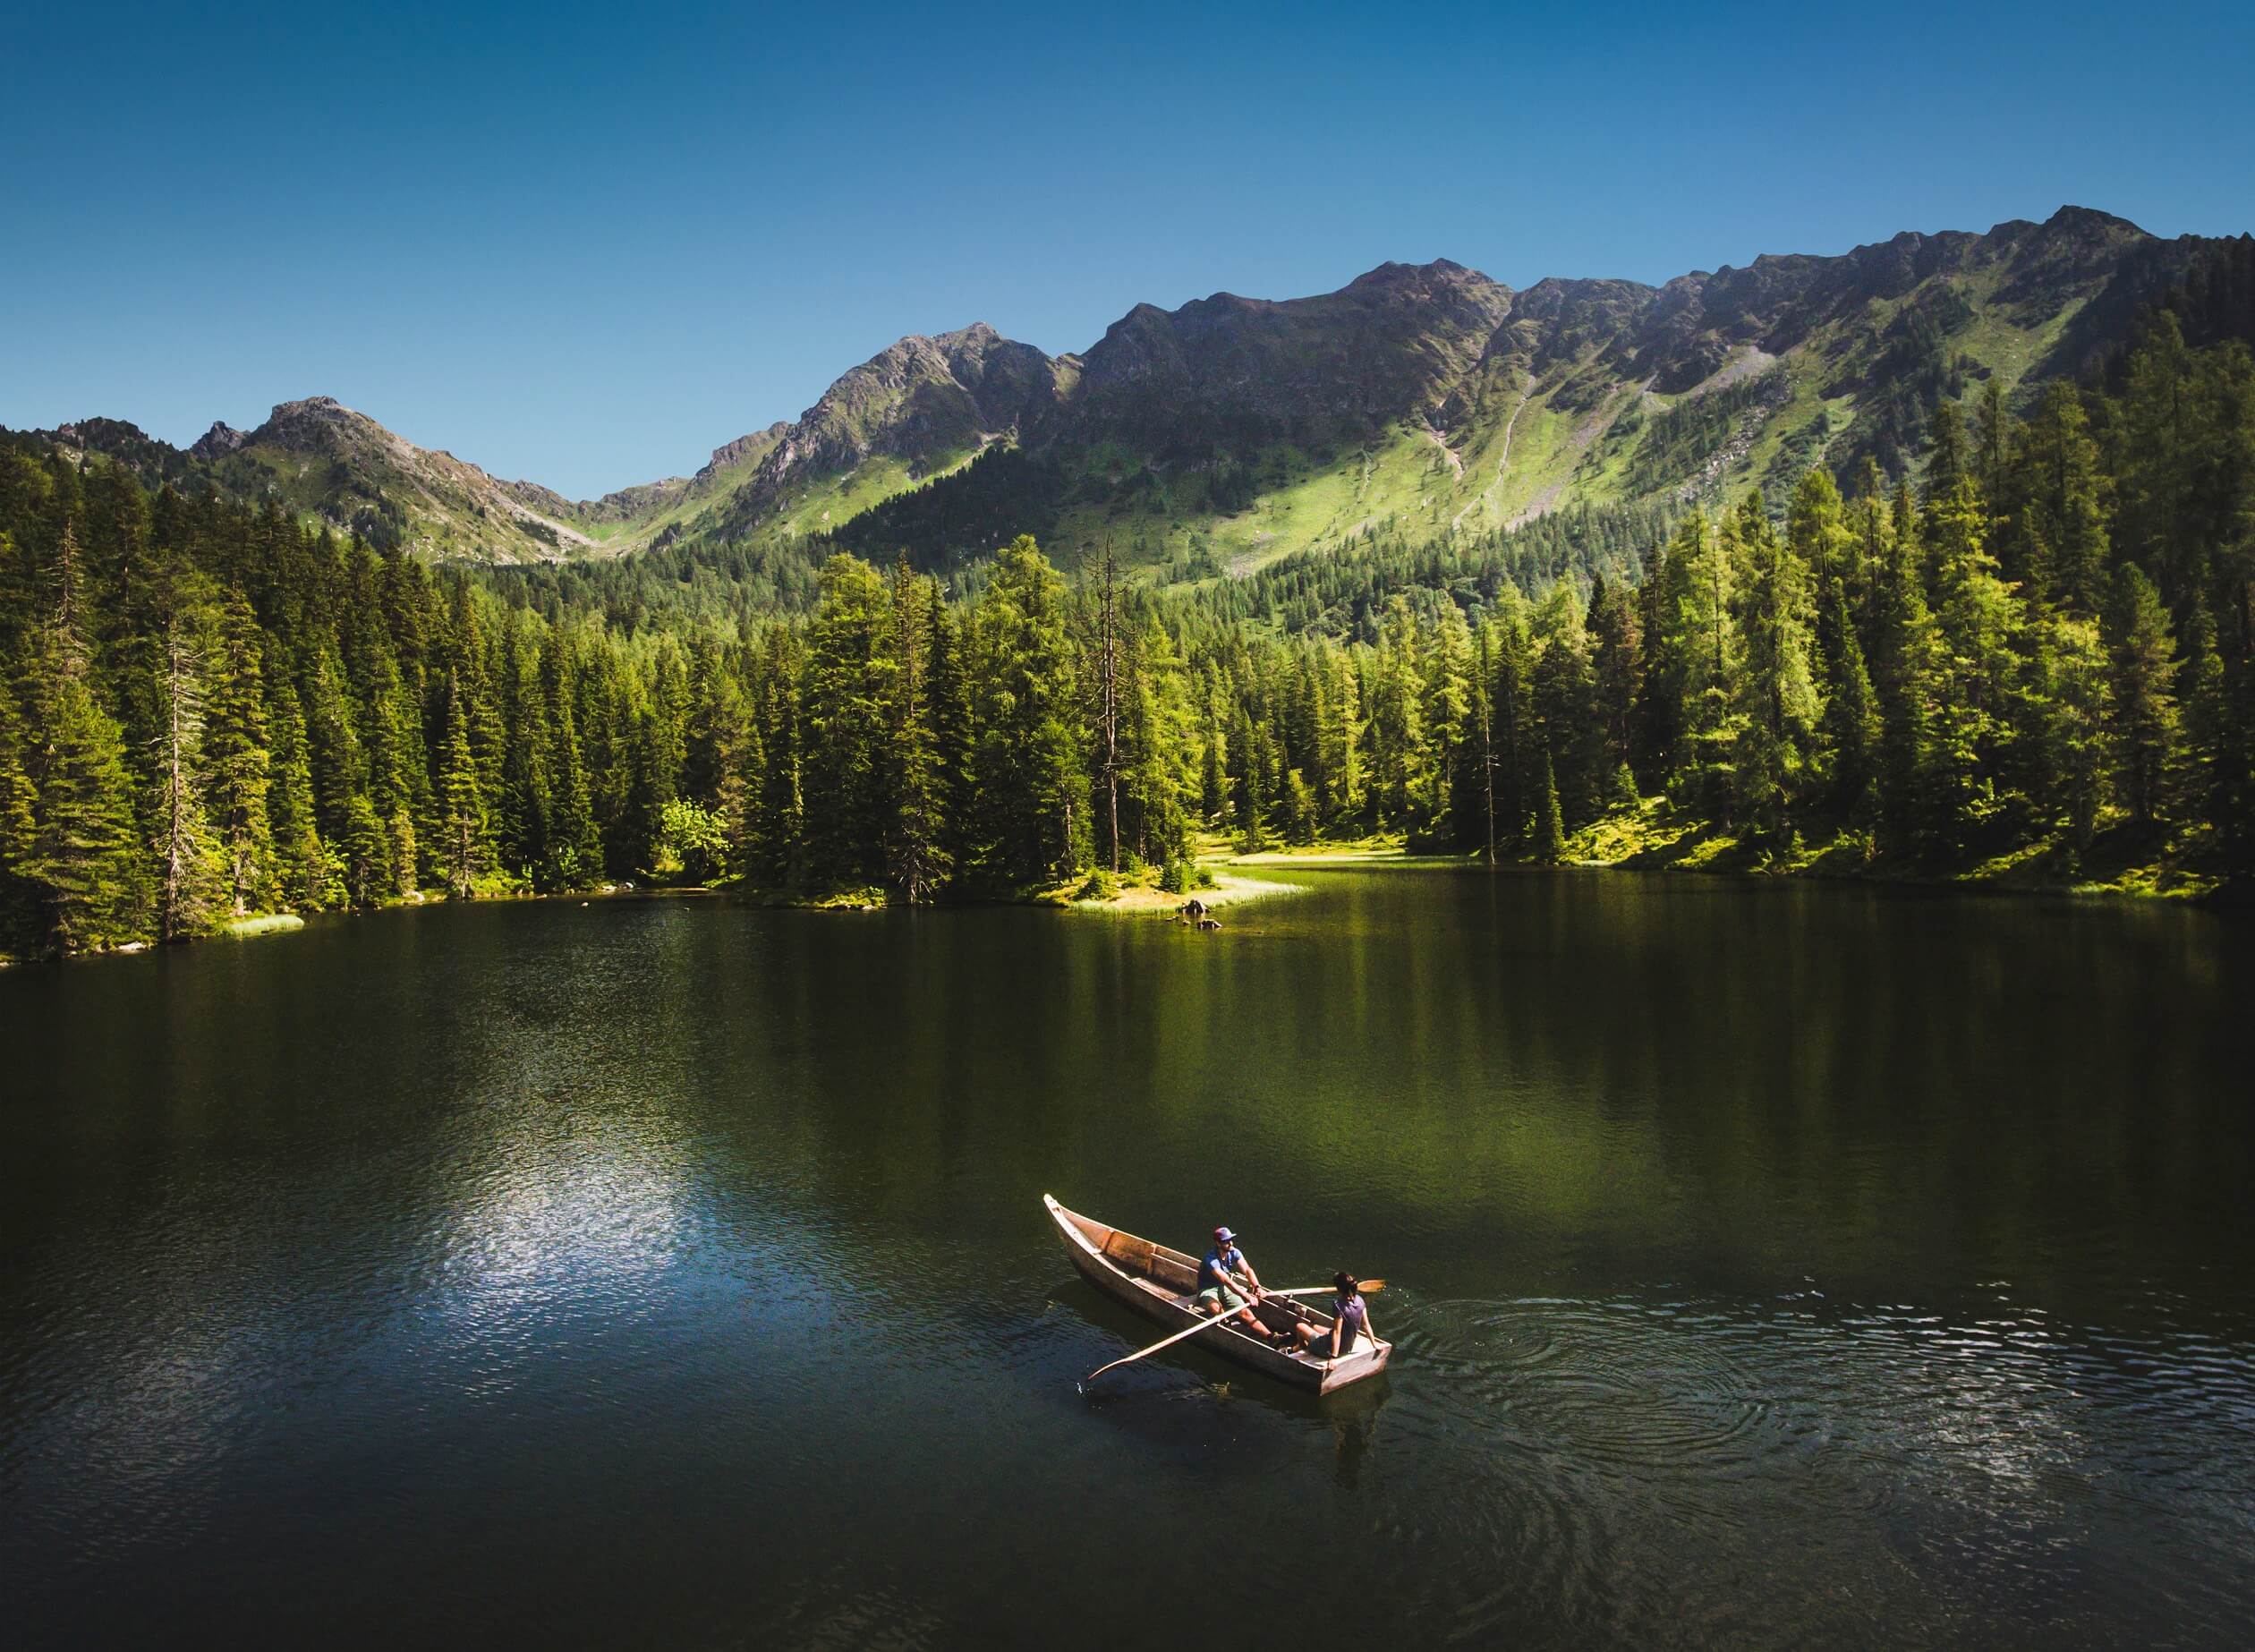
[(2123, 861)]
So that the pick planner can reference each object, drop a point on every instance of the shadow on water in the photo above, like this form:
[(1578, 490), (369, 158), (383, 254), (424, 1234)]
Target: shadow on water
[(1769, 1264)]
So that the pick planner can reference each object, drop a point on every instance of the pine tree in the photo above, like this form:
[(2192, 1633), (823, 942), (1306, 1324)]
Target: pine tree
[(774, 831), (1106, 693), (1947, 460), (1817, 534), (1776, 697), (1213, 755), (1974, 619), (306, 872), (1566, 706), (82, 862), (1157, 775), (1248, 799), (525, 818), (1550, 838), (947, 693), (1992, 444), (19, 899), (237, 765), (1902, 653), (849, 683), (2055, 545), (1395, 739), (1700, 663), (348, 821), (1617, 657), (1473, 806), (1518, 786), (1449, 713), (1660, 693), (2209, 758), (1036, 819), (191, 878), (915, 856), (2072, 787), (575, 842), (462, 811), (1850, 734), (1339, 734), (2144, 671)]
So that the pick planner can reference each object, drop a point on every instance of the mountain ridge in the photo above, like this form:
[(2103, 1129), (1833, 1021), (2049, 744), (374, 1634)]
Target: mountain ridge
[(1231, 429)]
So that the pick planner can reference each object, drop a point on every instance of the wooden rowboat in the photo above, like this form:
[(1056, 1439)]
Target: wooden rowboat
[(1160, 1283)]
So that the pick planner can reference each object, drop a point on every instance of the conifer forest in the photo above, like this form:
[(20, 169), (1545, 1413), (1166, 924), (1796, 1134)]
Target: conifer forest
[(2034, 647)]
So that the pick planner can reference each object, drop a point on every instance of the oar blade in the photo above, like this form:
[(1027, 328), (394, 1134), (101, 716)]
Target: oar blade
[(1163, 1342)]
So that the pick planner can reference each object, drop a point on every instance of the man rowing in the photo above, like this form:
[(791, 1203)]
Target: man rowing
[(1227, 1284), (1351, 1322)]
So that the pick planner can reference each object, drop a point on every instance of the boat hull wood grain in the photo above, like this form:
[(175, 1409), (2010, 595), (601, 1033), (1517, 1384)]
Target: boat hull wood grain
[(1159, 1284)]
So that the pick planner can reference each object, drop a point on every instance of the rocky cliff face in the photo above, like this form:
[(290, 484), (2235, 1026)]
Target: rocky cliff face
[(918, 400), (1392, 344)]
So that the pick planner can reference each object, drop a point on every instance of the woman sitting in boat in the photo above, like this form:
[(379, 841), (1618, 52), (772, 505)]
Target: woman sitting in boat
[(1219, 1277), (1351, 1322)]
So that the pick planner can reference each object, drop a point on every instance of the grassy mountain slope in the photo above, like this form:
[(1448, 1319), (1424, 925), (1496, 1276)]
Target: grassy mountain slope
[(1216, 436), (1431, 399)]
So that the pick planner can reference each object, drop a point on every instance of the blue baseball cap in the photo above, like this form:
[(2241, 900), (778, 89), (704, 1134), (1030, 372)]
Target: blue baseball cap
[(1223, 1236)]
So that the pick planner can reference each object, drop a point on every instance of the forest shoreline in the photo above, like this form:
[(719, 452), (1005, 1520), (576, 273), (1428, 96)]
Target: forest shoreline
[(2154, 882), (1234, 887)]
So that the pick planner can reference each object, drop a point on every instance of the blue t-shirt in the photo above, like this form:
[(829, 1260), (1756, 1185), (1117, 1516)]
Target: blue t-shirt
[(1351, 1315), (1218, 1265)]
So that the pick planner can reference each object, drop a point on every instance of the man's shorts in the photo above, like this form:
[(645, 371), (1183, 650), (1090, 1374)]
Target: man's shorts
[(1229, 1300)]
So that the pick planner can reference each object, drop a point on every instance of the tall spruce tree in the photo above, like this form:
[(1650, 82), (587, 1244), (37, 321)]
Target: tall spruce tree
[(2144, 671), (948, 695), (237, 762), (1617, 657), (191, 879), (1035, 822), (850, 674), (1776, 696), (1851, 736), (1550, 834), (1700, 665), (916, 861), (83, 862), (462, 810), (1567, 706)]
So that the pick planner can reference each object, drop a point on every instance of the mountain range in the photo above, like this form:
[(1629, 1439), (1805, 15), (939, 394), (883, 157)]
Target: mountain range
[(1219, 435)]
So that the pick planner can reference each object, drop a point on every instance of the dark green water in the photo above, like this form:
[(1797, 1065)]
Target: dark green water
[(1771, 1265)]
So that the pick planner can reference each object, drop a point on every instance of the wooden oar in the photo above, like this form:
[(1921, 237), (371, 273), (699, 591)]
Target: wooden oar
[(1304, 1291), (1370, 1287), (1167, 1342)]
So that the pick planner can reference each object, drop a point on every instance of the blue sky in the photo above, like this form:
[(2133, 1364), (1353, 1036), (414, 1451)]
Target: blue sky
[(586, 245)]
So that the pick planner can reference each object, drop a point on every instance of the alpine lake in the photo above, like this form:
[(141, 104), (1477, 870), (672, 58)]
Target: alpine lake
[(1769, 1263)]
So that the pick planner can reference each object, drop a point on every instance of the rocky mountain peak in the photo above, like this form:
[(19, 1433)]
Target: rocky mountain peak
[(1440, 272), (755, 445), (313, 421), (218, 442)]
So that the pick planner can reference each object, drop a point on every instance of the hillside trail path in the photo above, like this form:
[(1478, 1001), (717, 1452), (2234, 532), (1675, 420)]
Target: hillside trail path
[(1455, 459), (1504, 460)]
